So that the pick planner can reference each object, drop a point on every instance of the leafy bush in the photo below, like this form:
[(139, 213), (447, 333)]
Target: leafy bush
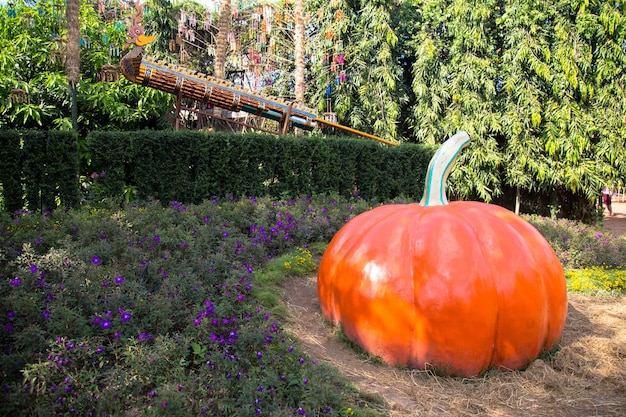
[(149, 310), (152, 310), (579, 245)]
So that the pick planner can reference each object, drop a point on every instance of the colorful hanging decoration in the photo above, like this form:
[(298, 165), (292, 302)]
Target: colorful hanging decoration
[(11, 12), (19, 96), (332, 54), (85, 42), (109, 73), (29, 22), (114, 50), (208, 21), (57, 55)]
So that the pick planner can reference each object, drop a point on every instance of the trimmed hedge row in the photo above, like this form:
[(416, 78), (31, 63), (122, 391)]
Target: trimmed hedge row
[(193, 166), (42, 167)]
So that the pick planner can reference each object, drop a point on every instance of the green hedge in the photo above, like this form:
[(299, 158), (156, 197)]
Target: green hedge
[(193, 166), (40, 169), (11, 171), (40, 166)]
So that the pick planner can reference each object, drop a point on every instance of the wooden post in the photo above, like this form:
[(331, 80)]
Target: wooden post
[(286, 121), (177, 119)]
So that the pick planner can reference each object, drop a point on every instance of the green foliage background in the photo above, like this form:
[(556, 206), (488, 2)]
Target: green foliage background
[(539, 86)]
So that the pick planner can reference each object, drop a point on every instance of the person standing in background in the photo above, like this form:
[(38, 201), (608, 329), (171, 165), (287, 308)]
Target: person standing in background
[(607, 195)]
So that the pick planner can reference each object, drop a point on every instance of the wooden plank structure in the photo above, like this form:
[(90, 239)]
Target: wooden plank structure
[(216, 92), (186, 84)]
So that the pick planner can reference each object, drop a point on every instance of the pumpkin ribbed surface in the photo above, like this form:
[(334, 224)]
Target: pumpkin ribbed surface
[(460, 288)]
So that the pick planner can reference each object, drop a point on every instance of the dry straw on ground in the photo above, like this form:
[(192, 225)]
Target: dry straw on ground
[(586, 377)]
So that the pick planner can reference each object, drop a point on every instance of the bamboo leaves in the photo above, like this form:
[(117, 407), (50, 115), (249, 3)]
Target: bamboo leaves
[(545, 80)]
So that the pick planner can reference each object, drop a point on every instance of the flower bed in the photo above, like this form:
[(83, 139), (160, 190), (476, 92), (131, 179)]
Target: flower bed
[(151, 310)]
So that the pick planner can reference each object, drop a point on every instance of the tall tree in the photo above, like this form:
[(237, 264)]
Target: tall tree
[(72, 54), (299, 50), (523, 85), (221, 43), (454, 78), (357, 71)]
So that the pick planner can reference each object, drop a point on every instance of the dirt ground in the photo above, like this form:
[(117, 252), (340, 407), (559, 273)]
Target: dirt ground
[(616, 223), (586, 377)]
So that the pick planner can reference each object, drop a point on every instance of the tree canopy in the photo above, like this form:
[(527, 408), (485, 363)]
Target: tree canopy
[(539, 85)]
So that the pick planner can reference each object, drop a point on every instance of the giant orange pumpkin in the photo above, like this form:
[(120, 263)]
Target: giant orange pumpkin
[(457, 287)]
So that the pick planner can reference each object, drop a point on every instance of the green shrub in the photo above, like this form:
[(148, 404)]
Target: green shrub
[(579, 245), (150, 310)]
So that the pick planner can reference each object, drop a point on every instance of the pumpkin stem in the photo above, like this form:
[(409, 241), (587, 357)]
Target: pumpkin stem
[(439, 169)]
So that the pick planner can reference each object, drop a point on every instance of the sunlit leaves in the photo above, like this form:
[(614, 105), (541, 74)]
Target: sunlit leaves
[(371, 95)]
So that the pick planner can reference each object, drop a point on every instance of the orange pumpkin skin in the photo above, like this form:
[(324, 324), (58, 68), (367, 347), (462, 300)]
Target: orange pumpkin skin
[(460, 288)]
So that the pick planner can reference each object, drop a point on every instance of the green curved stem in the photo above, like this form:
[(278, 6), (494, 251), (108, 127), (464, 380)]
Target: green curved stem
[(439, 169)]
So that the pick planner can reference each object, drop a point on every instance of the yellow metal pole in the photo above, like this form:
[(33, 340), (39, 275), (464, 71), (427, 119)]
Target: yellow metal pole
[(354, 131)]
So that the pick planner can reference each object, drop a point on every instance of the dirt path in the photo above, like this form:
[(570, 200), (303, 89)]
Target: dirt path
[(616, 223), (587, 377)]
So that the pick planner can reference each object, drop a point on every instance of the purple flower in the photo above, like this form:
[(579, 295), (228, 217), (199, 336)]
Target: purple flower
[(105, 324), (126, 316), (97, 320), (156, 238), (105, 283), (259, 355), (119, 280), (46, 314), (144, 337), (209, 307), (16, 282), (225, 234), (11, 314), (8, 327), (118, 334), (95, 260), (33, 268), (38, 241)]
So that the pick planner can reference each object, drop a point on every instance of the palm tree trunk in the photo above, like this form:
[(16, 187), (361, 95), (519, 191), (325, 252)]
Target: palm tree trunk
[(299, 53), (221, 42), (72, 53)]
